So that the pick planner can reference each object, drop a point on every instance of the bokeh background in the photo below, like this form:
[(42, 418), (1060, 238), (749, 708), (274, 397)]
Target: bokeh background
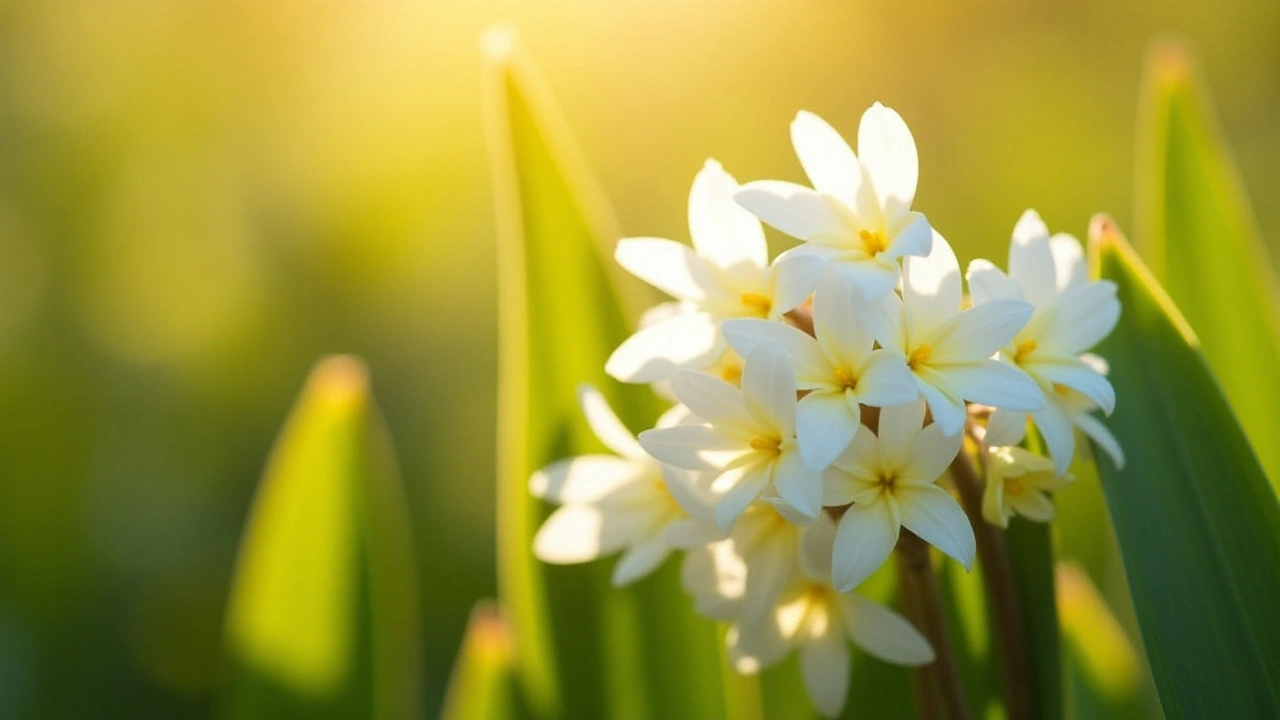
[(197, 199)]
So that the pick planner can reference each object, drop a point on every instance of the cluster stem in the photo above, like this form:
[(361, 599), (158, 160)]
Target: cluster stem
[(939, 691), (1002, 591)]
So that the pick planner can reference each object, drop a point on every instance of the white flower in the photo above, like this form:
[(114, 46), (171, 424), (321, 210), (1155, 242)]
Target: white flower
[(611, 502), (1072, 314), (949, 350), (890, 479), (725, 274), (1016, 483), (813, 618), (741, 577), (858, 217), (749, 441), (839, 368)]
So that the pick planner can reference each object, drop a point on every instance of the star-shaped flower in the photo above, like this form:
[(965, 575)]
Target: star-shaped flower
[(749, 442), (1016, 484), (815, 619), (839, 368), (890, 479), (612, 502), (858, 216), (726, 274), (950, 350), (1072, 314)]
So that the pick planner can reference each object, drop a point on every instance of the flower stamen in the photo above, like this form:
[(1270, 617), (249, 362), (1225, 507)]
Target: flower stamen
[(919, 357), (846, 378), (873, 242), (1022, 350), (758, 304)]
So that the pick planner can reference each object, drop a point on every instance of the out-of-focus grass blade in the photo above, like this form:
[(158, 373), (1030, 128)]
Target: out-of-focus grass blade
[(584, 648), (1197, 522), (481, 684), (323, 615), (1031, 554), (1197, 230), (1105, 673)]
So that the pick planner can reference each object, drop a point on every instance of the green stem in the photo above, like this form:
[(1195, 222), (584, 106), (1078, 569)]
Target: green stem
[(939, 692), (1002, 593)]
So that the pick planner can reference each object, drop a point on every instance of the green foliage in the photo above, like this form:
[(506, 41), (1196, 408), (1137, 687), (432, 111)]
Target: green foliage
[(1197, 523), (585, 648), (323, 616), (1197, 232), (483, 674)]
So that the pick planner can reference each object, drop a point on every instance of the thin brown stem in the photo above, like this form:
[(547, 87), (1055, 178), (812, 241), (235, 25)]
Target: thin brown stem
[(1002, 592), (939, 692)]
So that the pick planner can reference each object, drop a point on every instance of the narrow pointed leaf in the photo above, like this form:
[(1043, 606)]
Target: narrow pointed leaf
[(1197, 522), (585, 649), (323, 619), (482, 682), (1197, 230)]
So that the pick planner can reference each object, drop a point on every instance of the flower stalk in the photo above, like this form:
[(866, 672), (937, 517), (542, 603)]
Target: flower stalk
[(939, 691), (1002, 592)]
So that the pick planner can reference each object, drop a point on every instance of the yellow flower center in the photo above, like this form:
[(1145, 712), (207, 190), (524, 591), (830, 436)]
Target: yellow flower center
[(920, 356), (1014, 487), (769, 444), (731, 373), (889, 482), (1061, 389), (846, 378), (1022, 350), (757, 304), (873, 242)]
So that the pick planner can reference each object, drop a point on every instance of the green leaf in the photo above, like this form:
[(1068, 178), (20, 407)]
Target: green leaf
[(481, 684), (585, 648), (1105, 674), (323, 619), (1197, 523), (1197, 230), (1031, 554)]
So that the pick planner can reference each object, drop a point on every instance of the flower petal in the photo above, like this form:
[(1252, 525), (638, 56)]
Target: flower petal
[(606, 425), (1031, 262), (1033, 504), (1100, 435), (824, 427), (883, 633), (751, 482), (931, 512), (888, 152), (855, 471), (1059, 437), (945, 404), (769, 387), (930, 454), (799, 486), (581, 533), (912, 236), (864, 539), (1086, 314), (716, 402), (795, 275), (693, 447), (885, 380), (931, 288), (977, 333), (1006, 427), (1068, 261), (723, 232), (770, 565), (688, 340), (871, 277), (824, 662), (641, 559), (899, 426), (797, 211), (672, 267), (693, 497), (988, 282), (826, 158), (586, 478), (811, 366), (994, 383), (1080, 377), (836, 323)]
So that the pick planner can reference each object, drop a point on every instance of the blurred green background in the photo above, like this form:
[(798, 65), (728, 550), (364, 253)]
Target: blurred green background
[(197, 199)]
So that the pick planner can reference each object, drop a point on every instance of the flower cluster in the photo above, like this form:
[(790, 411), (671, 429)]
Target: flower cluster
[(821, 398)]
